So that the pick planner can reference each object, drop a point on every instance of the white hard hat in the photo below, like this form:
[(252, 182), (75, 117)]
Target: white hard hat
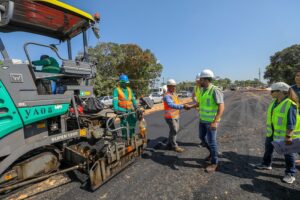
[(281, 86), (206, 73), (198, 76), (171, 82)]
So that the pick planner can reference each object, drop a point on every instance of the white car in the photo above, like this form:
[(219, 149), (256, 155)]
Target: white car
[(106, 100), (184, 94), (156, 98)]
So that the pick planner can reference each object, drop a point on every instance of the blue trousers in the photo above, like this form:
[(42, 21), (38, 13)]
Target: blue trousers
[(209, 138), (290, 166)]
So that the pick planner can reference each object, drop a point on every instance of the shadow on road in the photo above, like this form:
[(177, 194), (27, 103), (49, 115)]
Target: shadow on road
[(242, 166), (157, 152), (188, 144), (172, 161), (271, 190), (157, 142)]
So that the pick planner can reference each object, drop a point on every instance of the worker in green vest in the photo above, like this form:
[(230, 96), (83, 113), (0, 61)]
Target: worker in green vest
[(196, 97), (210, 102), (49, 65), (296, 89), (196, 92), (124, 102), (283, 123)]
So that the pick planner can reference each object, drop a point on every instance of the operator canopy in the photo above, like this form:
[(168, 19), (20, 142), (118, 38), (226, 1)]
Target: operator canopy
[(51, 18)]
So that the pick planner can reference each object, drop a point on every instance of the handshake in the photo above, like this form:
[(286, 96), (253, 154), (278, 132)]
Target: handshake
[(187, 106)]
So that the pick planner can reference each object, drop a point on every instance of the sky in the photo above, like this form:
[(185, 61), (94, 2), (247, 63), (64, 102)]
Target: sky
[(233, 38)]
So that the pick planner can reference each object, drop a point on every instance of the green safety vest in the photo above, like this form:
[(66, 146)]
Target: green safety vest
[(279, 120), (208, 107), (197, 93)]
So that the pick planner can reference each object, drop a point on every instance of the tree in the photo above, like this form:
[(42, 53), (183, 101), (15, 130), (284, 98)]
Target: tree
[(283, 65), (248, 83), (185, 86), (113, 59), (107, 56), (1, 62), (223, 83)]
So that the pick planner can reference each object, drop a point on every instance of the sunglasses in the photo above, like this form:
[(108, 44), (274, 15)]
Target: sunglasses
[(274, 91)]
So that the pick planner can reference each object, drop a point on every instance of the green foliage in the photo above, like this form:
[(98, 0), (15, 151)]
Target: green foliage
[(185, 86), (1, 62), (248, 83), (283, 65), (225, 83), (113, 59), (222, 83), (189, 85)]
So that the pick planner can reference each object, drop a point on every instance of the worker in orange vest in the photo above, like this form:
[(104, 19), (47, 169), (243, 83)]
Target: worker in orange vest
[(171, 113), (124, 102)]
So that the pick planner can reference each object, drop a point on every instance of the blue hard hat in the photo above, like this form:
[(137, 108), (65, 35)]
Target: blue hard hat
[(124, 78), (44, 57)]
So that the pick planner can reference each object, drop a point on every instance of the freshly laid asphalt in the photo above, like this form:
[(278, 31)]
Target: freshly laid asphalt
[(163, 174)]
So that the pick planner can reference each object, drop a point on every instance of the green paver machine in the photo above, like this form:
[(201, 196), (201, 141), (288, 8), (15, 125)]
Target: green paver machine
[(44, 134)]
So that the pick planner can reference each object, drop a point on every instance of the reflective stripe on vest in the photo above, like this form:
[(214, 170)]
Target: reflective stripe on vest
[(208, 107), (123, 102), (171, 113), (279, 120)]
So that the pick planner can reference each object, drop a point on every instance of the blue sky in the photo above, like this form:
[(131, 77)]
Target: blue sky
[(234, 38)]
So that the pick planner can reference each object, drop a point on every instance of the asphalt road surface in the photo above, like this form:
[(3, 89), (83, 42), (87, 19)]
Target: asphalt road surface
[(162, 174)]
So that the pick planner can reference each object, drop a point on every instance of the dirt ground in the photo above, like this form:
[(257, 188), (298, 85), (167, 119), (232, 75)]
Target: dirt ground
[(162, 174)]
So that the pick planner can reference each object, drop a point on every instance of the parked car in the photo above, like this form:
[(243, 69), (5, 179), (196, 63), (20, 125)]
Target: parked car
[(156, 98), (160, 90), (106, 100), (184, 94)]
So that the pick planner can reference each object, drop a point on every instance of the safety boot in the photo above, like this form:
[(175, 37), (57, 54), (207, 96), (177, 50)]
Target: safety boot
[(211, 168), (178, 149), (289, 179)]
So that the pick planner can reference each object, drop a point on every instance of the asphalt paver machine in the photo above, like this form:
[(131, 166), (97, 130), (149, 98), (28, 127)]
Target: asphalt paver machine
[(44, 134)]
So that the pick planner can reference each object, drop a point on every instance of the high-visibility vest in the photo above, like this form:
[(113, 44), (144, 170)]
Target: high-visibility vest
[(279, 120), (124, 102), (197, 93), (171, 113), (208, 108)]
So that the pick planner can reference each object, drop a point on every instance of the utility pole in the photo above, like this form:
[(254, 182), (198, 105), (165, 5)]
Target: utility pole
[(259, 75)]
